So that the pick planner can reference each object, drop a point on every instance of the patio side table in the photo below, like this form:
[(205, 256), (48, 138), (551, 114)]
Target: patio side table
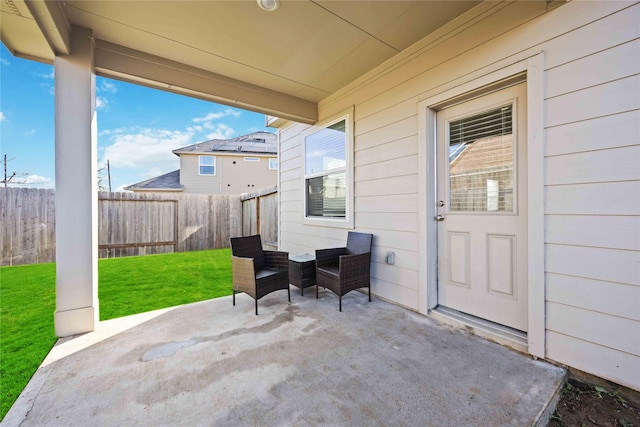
[(302, 271)]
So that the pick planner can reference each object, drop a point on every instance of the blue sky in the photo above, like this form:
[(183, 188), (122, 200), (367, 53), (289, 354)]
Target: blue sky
[(137, 126)]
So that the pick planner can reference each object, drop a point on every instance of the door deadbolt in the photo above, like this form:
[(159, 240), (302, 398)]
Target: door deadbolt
[(440, 203)]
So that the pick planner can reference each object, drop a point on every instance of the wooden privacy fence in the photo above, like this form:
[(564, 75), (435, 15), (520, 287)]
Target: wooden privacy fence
[(260, 216), (27, 232), (150, 223), (128, 223)]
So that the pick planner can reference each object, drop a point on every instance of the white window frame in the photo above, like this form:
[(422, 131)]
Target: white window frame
[(252, 159), (273, 164), (200, 165), (348, 220)]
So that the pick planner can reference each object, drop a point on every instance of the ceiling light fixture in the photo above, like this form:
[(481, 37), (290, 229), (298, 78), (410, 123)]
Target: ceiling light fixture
[(269, 5)]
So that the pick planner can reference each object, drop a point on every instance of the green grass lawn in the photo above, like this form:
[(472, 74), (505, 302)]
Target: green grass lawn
[(125, 286)]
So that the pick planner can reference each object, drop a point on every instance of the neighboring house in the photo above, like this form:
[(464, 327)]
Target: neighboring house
[(368, 98), (221, 166)]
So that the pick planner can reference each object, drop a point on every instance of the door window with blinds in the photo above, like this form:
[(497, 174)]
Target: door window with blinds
[(325, 168), (481, 161)]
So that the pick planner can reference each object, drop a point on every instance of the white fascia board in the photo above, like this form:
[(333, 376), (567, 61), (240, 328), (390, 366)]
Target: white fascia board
[(137, 67)]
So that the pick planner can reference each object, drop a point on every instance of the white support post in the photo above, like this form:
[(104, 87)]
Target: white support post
[(76, 189)]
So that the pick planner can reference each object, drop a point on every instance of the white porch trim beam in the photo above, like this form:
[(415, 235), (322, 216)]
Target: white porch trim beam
[(53, 24), (76, 189), (122, 63)]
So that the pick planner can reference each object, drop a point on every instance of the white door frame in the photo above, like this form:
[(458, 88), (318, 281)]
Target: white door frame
[(456, 91)]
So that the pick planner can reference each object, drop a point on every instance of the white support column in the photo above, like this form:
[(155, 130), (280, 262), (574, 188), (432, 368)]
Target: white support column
[(76, 189)]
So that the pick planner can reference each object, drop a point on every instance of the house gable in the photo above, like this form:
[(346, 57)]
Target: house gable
[(234, 174)]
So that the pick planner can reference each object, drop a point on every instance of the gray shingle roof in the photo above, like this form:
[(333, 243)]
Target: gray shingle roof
[(254, 143), (168, 181)]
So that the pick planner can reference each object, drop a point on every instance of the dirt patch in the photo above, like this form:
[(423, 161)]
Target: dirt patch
[(581, 404)]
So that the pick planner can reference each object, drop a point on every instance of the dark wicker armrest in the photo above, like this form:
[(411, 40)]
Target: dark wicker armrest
[(276, 259), (329, 256), (355, 266)]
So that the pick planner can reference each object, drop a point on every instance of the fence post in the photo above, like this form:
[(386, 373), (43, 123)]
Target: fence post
[(265, 210), (258, 215)]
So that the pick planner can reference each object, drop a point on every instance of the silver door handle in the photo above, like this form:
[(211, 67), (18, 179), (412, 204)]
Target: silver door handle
[(440, 218)]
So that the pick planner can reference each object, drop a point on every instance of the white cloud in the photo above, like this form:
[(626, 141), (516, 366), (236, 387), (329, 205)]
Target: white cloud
[(194, 128), (147, 149), (220, 131), (153, 172), (2, 117), (140, 153), (106, 86), (30, 132), (37, 179), (49, 76), (101, 102), (3, 61), (121, 130), (215, 116), (48, 87), (33, 181)]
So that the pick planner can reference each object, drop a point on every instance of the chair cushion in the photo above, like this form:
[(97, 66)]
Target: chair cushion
[(331, 269), (266, 272)]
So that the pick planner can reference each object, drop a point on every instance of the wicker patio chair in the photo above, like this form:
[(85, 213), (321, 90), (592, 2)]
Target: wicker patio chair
[(342, 270), (257, 272)]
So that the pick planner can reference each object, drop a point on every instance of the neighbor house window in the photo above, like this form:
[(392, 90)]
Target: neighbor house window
[(207, 165), (326, 170), (273, 164), (252, 159)]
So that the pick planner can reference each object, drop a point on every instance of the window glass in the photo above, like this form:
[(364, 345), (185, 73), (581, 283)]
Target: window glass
[(481, 153), (327, 196), (207, 165), (273, 164), (325, 172), (252, 159), (326, 149)]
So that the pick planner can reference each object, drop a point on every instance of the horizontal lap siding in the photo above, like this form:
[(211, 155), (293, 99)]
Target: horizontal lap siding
[(245, 177), (386, 197), (618, 366), (592, 202), (385, 181), (230, 178), (591, 174), (192, 181)]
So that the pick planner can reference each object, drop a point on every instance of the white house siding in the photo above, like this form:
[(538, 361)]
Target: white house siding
[(230, 178), (591, 166)]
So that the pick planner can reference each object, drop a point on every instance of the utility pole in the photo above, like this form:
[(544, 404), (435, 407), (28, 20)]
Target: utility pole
[(109, 175), (7, 179)]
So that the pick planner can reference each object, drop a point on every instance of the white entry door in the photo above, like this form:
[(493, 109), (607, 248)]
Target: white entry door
[(482, 207)]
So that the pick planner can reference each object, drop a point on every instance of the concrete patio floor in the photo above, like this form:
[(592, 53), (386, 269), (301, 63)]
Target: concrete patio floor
[(298, 364)]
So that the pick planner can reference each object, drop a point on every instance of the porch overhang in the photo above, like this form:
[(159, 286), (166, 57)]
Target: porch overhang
[(278, 63), (133, 66)]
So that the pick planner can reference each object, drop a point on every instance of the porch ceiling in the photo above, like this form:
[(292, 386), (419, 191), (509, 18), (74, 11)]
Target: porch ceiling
[(280, 63)]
